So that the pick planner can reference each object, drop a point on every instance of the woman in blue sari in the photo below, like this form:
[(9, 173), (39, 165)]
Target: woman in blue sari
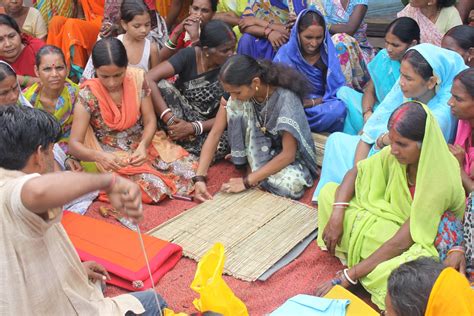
[(384, 70), (263, 25), (426, 75), (310, 50)]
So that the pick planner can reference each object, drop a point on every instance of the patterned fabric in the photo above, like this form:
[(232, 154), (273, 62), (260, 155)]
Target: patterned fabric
[(63, 110), (450, 234), (179, 172), (196, 100), (283, 112), (469, 238), (51, 8), (351, 58), (429, 33)]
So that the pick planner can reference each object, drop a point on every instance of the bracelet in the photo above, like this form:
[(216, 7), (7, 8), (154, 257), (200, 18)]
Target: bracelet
[(169, 44), (346, 275), (164, 113), (171, 120), (201, 130), (196, 179), (336, 281), (25, 81), (456, 249), (340, 204), (112, 182), (312, 101), (247, 185)]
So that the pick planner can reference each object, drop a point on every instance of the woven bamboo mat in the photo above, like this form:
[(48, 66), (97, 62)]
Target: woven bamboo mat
[(256, 228), (319, 143)]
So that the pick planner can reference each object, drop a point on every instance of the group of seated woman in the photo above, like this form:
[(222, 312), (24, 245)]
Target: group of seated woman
[(391, 188)]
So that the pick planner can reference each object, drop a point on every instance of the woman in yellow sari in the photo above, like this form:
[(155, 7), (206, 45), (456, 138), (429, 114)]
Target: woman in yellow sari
[(115, 128), (56, 94), (388, 208)]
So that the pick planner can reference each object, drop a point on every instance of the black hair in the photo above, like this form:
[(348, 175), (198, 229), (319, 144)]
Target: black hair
[(213, 4), (109, 51), (463, 35), (409, 120), (467, 79), (47, 50), (131, 8), (216, 33), (419, 63), (9, 21), (240, 70), (409, 286), (6, 71), (445, 3), (406, 29), (23, 130), (310, 18)]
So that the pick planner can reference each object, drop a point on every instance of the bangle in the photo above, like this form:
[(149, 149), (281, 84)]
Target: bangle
[(346, 275), (336, 281), (340, 204), (170, 44), (164, 113), (170, 120), (312, 101), (25, 81), (456, 249), (247, 184), (201, 130), (112, 182), (196, 179)]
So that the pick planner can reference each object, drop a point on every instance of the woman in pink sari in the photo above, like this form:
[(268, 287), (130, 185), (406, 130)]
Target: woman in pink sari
[(435, 18)]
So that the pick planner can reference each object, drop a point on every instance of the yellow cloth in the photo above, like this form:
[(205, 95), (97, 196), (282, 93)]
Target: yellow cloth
[(357, 307), (382, 203), (451, 295)]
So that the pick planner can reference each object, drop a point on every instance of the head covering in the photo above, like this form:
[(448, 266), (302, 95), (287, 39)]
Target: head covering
[(451, 295), (446, 65), (21, 98), (290, 54), (381, 188)]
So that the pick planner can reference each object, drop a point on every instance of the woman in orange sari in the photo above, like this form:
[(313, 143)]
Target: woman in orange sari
[(76, 37), (115, 127)]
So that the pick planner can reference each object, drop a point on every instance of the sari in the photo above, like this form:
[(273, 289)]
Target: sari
[(340, 148), (235, 6), (450, 295), (77, 37), (464, 139), (354, 52), (194, 99), (433, 32), (250, 145), (24, 65), (63, 111), (384, 73), (383, 203), (118, 130), (329, 115), (267, 10), (52, 8)]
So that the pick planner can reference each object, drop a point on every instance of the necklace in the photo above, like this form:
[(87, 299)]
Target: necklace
[(261, 125)]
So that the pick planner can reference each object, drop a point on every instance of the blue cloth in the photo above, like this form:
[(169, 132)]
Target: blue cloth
[(307, 305), (339, 154), (384, 73), (329, 115), (148, 301), (268, 10)]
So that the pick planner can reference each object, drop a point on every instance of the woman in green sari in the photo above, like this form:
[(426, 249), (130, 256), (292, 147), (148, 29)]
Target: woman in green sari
[(388, 208)]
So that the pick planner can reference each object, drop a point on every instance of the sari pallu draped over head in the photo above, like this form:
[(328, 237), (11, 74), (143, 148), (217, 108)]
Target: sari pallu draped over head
[(383, 202), (126, 116), (446, 65), (329, 115), (450, 295)]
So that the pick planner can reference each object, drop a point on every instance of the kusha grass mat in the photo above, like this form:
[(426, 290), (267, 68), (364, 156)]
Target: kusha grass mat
[(256, 228)]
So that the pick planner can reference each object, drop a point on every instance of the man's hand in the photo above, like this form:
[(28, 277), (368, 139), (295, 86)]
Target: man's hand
[(95, 271)]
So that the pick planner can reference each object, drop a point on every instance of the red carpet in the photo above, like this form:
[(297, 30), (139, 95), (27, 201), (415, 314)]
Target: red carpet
[(299, 277)]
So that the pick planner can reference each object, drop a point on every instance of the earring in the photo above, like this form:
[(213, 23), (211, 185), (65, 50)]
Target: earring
[(256, 88), (207, 55)]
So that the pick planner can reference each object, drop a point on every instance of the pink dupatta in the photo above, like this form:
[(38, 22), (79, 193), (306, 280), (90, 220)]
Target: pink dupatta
[(428, 31), (464, 139)]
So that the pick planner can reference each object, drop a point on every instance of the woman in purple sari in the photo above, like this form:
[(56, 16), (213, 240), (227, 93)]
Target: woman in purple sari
[(310, 50), (263, 25)]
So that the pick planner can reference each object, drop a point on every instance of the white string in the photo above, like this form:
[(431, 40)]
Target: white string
[(148, 267)]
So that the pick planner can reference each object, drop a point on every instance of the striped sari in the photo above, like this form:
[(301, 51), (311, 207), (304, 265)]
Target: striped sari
[(51, 8)]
